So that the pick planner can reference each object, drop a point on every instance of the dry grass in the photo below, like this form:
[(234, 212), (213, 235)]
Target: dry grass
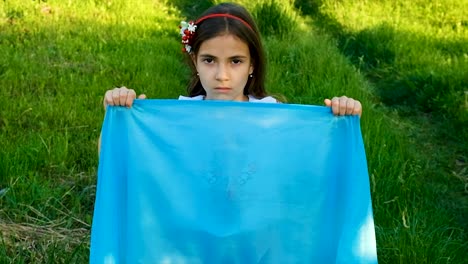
[(25, 234), (26, 242)]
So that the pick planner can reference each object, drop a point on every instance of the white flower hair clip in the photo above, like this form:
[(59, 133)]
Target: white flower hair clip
[(187, 31)]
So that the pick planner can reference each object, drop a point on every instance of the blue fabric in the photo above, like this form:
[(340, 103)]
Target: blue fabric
[(231, 182)]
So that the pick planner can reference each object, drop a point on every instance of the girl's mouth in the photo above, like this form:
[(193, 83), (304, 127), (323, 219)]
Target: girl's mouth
[(223, 89)]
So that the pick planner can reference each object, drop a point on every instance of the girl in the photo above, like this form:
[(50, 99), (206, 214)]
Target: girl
[(227, 61)]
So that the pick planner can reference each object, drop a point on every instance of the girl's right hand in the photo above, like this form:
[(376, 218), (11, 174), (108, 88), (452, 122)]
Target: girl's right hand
[(120, 97)]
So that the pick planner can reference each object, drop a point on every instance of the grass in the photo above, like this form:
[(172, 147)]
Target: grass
[(405, 60)]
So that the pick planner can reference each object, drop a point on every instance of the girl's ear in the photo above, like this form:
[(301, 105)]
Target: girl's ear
[(251, 69)]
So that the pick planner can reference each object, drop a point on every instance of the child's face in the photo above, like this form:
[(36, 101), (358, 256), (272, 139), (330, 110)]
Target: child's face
[(224, 64)]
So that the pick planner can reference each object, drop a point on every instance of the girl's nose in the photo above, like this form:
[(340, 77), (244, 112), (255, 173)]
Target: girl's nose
[(222, 73)]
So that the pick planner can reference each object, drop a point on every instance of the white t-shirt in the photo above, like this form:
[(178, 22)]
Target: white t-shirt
[(267, 99)]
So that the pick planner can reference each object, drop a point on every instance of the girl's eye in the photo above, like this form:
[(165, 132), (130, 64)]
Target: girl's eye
[(236, 61), (208, 60)]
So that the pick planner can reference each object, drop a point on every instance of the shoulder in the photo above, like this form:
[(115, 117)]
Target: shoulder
[(267, 99)]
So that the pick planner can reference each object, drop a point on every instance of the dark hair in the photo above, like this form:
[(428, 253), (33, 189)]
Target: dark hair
[(216, 26)]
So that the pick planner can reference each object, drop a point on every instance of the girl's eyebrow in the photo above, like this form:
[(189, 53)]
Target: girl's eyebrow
[(232, 57), (238, 57), (206, 55)]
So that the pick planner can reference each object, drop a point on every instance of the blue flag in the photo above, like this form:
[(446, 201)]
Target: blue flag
[(231, 182)]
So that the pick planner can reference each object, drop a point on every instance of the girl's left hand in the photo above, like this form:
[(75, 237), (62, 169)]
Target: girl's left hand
[(344, 106)]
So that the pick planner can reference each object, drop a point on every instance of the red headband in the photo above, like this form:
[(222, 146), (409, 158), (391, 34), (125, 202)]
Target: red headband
[(187, 30), (222, 15)]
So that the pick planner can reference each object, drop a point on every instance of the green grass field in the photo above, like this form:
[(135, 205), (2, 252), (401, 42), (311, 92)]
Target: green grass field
[(406, 61)]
